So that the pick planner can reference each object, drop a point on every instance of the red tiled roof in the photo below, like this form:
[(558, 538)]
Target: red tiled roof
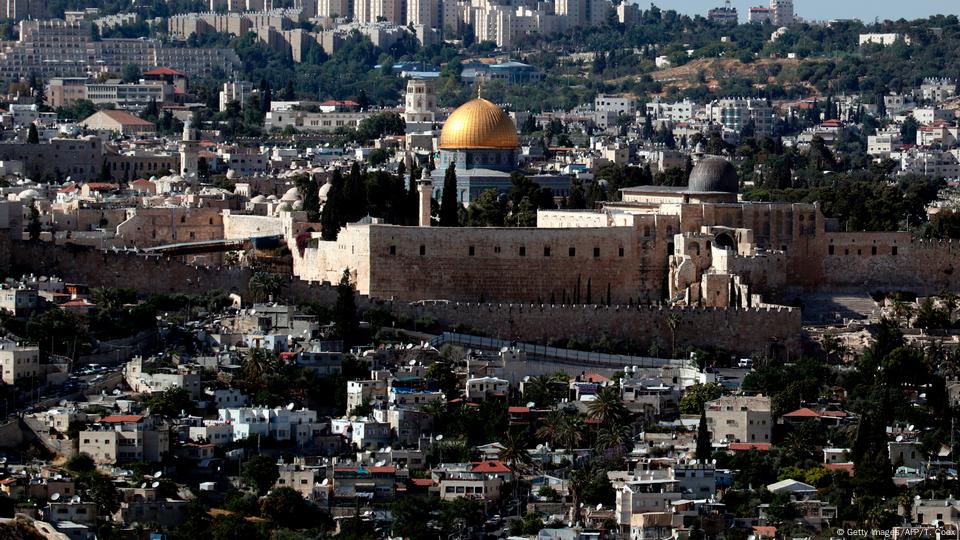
[(518, 410), (765, 531), (102, 185), (122, 117), (802, 412), (333, 102), (422, 482), (840, 467), (594, 378), (490, 467), (121, 419), (743, 447), (164, 71), (835, 414)]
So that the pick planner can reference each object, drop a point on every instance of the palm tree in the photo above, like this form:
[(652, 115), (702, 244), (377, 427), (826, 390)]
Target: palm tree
[(607, 407), (538, 390), (515, 453), (257, 364), (673, 322), (580, 479), (264, 285), (563, 429), (613, 436)]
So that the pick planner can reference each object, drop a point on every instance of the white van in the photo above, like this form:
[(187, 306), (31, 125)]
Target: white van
[(745, 363)]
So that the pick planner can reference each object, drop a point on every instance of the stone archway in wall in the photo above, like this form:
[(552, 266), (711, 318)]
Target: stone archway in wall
[(725, 241)]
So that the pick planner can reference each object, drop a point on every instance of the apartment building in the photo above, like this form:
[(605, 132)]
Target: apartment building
[(18, 363), (128, 95), (623, 105), (57, 48), (363, 432), (281, 424), (734, 114), (126, 438), (746, 419)]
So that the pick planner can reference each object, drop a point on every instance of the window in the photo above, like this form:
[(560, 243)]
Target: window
[(523, 251), (573, 252), (546, 251), (496, 249), (893, 250), (423, 249), (620, 252), (393, 250), (830, 250), (596, 252), (873, 250), (473, 251)]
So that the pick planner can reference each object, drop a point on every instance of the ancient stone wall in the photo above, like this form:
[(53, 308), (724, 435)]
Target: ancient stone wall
[(148, 275), (890, 261), (741, 331), (158, 226)]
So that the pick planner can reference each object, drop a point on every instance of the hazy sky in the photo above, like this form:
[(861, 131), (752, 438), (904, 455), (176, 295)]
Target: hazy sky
[(865, 10)]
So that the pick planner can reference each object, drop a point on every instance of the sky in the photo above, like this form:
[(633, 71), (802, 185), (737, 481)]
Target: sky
[(865, 10)]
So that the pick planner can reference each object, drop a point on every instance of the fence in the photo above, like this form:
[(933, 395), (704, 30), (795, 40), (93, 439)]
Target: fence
[(613, 361)]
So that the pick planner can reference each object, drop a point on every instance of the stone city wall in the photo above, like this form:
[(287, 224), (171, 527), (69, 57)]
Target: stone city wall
[(741, 331), (891, 261)]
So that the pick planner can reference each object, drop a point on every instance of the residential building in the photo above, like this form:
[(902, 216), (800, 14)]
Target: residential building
[(726, 14), (746, 419), (235, 91), (735, 114), (482, 388), (18, 363), (118, 122), (126, 438), (128, 95), (620, 104), (280, 424), (363, 432), (374, 483), (781, 12)]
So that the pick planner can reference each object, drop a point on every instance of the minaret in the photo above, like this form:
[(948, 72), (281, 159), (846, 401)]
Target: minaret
[(189, 151), (425, 189)]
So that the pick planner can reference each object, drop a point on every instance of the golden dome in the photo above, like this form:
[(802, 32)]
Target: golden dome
[(479, 124)]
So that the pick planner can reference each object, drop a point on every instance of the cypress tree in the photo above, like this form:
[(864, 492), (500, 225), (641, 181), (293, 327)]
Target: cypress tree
[(704, 448), (449, 207)]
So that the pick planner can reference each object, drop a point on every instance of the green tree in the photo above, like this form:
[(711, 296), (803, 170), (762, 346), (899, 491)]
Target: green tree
[(699, 394), (704, 447), (81, 463), (487, 210), (330, 221), (170, 402), (265, 285), (345, 320), (33, 137), (607, 407), (286, 507), (33, 225), (130, 73), (260, 472), (449, 205)]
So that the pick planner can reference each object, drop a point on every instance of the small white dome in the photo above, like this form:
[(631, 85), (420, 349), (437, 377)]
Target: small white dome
[(291, 195), (28, 195), (231, 174), (258, 199)]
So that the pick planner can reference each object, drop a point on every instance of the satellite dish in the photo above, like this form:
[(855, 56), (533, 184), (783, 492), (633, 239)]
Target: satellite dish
[(380, 463), (412, 363), (290, 406), (388, 449), (155, 485), (325, 482), (75, 499), (55, 497), (531, 404), (439, 437), (158, 474), (143, 485), (910, 427), (899, 438), (600, 506)]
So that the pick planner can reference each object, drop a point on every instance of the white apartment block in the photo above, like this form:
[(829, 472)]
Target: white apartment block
[(734, 114), (883, 143), (362, 432), (145, 381), (929, 115), (133, 95), (18, 363), (938, 89), (882, 39), (238, 91), (781, 12), (481, 388), (649, 491), (746, 419), (313, 121), (618, 104), (281, 424), (680, 111)]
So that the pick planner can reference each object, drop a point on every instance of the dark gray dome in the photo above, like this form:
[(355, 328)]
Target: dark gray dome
[(714, 174)]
